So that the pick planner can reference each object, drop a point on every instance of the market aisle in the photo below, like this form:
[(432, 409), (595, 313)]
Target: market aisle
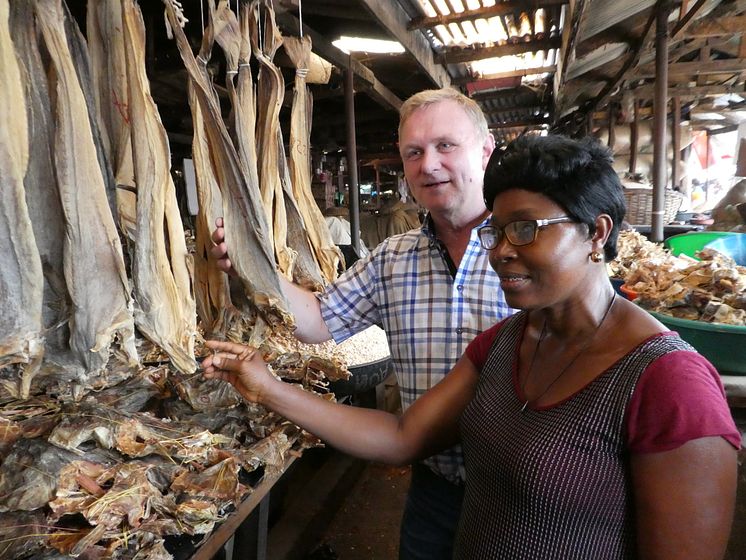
[(367, 524)]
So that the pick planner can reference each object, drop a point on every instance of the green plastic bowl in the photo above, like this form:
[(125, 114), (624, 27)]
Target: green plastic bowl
[(690, 243), (723, 345)]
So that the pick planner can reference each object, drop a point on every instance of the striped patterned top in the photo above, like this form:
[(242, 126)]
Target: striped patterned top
[(550, 483), (429, 315)]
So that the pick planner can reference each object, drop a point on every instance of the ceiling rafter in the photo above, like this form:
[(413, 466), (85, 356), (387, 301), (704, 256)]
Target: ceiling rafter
[(507, 7), (392, 17), (647, 91), (454, 55), (724, 66), (518, 72), (519, 124), (366, 79)]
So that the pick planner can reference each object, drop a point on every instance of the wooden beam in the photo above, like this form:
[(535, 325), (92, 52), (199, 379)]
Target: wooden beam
[(498, 111), (519, 124), (392, 17), (366, 79), (455, 55), (646, 92), (727, 25), (508, 74), (727, 66), (573, 15), (687, 19), (628, 65), (499, 9)]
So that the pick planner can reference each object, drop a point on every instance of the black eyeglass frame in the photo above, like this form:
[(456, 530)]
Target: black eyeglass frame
[(499, 232)]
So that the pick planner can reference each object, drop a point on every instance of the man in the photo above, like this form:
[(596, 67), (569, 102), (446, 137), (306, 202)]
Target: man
[(431, 289)]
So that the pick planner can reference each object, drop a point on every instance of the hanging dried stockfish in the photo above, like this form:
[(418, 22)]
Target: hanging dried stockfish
[(21, 280), (306, 271), (270, 91), (93, 261), (109, 74), (42, 196), (165, 310), (79, 53), (246, 230), (211, 288), (327, 253)]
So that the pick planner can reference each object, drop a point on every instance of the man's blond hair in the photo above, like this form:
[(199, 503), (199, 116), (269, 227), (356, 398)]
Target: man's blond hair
[(429, 97)]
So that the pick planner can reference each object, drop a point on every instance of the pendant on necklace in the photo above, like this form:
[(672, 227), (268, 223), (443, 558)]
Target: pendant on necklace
[(524, 406)]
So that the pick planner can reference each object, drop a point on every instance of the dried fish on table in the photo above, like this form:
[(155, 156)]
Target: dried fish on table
[(217, 483), (21, 279), (30, 472), (165, 310), (23, 534), (270, 91), (246, 229), (93, 260), (26, 419), (327, 253)]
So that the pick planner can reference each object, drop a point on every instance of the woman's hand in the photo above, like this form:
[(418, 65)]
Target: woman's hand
[(239, 365)]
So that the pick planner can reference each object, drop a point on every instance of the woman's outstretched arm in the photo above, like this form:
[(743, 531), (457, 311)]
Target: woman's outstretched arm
[(428, 426)]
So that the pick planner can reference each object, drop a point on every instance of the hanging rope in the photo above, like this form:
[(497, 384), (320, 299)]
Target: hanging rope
[(202, 13)]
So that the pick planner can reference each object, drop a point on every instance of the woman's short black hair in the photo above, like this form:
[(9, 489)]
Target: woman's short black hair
[(575, 174)]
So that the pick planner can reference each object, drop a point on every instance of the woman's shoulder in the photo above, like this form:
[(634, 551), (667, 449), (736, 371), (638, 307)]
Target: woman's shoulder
[(479, 348)]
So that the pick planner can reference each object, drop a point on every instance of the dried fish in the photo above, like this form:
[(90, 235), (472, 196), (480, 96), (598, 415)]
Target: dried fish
[(21, 279), (212, 289), (42, 196), (165, 310), (246, 227), (105, 32), (93, 260), (327, 253), (270, 90)]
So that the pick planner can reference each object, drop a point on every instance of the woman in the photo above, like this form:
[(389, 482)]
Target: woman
[(589, 431)]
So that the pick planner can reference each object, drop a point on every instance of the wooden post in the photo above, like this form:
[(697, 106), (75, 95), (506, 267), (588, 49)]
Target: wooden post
[(660, 110), (676, 141), (634, 137), (352, 159)]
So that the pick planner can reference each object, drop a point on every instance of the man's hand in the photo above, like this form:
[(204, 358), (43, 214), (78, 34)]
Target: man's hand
[(220, 249), (241, 366)]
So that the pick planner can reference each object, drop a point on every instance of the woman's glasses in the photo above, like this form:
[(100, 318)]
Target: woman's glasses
[(522, 232)]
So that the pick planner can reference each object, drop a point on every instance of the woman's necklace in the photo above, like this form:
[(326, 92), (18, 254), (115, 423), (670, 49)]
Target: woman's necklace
[(571, 362)]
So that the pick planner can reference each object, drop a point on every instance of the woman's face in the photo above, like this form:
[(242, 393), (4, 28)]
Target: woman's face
[(548, 270)]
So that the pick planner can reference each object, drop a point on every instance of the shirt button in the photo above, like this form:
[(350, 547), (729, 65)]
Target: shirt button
[(460, 288), (459, 330)]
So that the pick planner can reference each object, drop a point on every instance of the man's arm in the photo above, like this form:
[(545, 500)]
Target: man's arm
[(311, 328)]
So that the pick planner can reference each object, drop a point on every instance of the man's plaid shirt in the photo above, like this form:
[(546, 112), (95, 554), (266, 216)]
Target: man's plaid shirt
[(429, 316)]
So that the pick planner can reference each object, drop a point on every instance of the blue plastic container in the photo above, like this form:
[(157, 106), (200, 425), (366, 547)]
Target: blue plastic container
[(734, 246)]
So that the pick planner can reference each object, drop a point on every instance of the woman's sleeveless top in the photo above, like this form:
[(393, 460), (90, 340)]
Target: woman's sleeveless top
[(551, 483)]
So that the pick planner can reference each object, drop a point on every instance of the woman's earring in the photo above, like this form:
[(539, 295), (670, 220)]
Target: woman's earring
[(596, 257)]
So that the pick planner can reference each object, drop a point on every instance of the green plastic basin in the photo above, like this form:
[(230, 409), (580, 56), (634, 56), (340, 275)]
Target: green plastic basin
[(723, 345), (690, 243)]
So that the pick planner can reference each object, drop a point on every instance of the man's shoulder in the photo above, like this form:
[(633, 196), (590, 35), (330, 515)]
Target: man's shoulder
[(403, 242)]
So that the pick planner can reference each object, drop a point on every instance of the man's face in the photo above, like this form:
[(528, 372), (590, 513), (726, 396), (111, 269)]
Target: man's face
[(444, 159)]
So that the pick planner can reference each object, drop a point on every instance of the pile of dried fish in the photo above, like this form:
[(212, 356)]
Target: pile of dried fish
[(712, 289), (633, 247)]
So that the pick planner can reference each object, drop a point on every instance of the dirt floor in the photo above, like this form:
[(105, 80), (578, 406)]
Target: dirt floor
[(367, 524)]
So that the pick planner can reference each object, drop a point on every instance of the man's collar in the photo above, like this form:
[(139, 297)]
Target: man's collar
[(428, 225)]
